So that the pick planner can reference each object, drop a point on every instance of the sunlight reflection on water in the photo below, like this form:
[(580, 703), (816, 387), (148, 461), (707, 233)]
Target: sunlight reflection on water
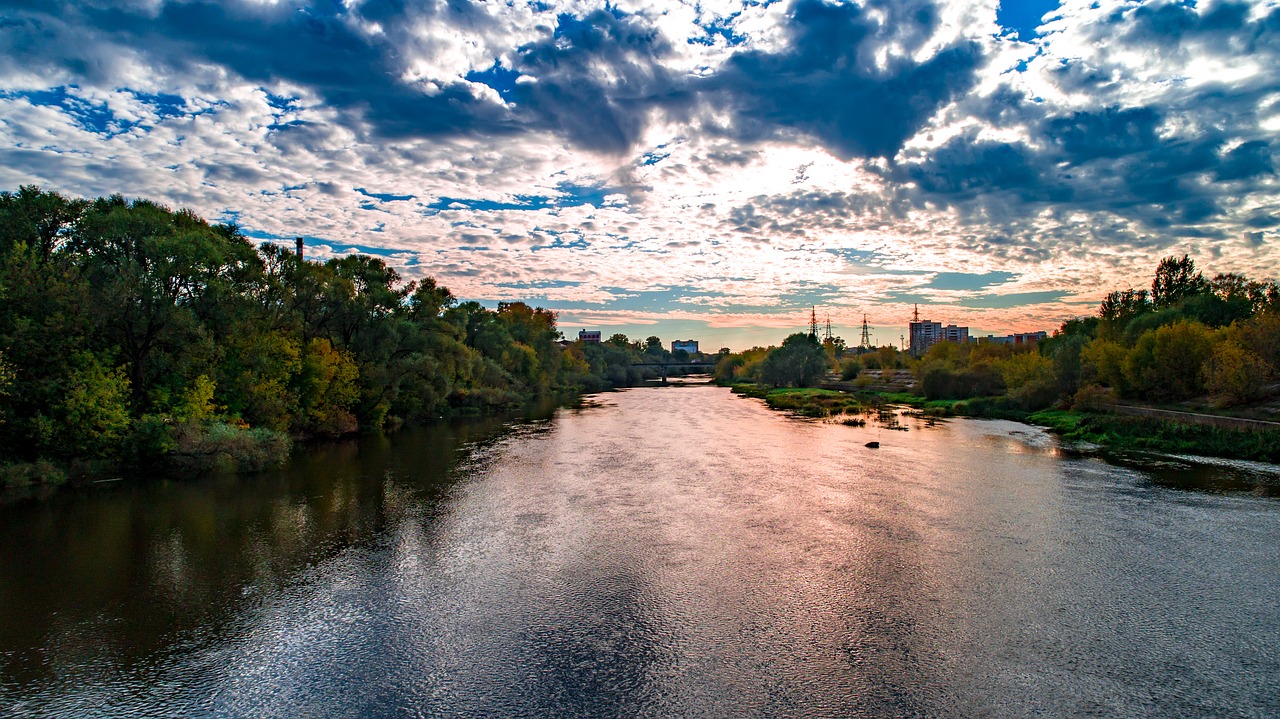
[(657, 552)]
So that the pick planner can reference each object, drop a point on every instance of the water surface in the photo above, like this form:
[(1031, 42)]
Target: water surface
[(658, 552)]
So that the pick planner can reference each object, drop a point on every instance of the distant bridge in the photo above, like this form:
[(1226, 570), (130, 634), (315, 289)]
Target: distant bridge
[(707, 367)]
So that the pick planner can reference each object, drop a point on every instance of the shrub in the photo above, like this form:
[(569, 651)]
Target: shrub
[(25, 474), (1092, 398), (942, 383), (201, 447), (1234, 375), (850, 368)]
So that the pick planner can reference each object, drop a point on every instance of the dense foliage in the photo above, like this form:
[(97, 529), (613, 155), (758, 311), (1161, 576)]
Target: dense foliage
[(130, 332), (1212, 342), (1189, 342)]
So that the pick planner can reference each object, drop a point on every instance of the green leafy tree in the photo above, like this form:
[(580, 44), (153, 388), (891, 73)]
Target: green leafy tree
[(799, 362), (1176, 279), (1103, 362), (1166, 363), (93, 416)]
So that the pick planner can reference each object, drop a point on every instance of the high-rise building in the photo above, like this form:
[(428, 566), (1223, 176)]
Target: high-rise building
[(925, 333)]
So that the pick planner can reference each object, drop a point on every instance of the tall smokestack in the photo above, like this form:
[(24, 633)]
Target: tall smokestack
[(299, 249)]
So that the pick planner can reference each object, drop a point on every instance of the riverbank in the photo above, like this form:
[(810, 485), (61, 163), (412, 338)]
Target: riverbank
[(221, 447), (1112, 431), (1104, 429)]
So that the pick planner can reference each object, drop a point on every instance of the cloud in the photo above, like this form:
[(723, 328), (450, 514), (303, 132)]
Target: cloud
[(728, 161), (822, 85)]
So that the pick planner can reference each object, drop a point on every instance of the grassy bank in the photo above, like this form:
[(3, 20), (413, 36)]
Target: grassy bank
[(808, 402), (1118, 432), (1126, 432)]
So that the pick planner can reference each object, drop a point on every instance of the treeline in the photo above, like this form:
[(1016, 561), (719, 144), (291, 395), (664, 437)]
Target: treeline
[(1189, 338), (801, 361), (130, 333), (1213, 341)]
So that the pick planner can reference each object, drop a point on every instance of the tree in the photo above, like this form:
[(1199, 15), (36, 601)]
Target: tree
[(93, 415), (1166, 363), (1120, 307), (799, 362), (1176, 279), (1103, 360), (1234, 375), (40, 220)]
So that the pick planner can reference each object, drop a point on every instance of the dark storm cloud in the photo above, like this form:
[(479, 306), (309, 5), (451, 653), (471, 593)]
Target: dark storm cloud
[(826, 85), (315, 46), (597, 79), (574, 94), (1176, 161)]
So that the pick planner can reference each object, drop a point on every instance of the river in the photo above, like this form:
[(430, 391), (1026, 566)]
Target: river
[(658, 552)]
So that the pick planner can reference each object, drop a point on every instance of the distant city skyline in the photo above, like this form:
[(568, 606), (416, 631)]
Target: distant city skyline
[(703, 170)]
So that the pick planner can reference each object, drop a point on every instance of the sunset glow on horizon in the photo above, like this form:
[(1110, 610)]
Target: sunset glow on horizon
[(709, 170)]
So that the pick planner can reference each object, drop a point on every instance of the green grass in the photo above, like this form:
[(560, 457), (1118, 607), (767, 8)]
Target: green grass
[(1120, 432), (1125, 432), (1059, 421), (807, 401), (26, 474)]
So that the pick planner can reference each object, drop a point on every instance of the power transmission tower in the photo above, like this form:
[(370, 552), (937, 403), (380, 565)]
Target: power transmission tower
[(866, 334), (813, 322), (829, 336)]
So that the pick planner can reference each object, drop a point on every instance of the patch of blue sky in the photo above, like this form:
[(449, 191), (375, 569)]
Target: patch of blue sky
[(340, 248), (721, 28), (808, 295), (570, 27), (559, 243), (1023, 17), (280, 102), (855, 255), (575, 195), (501, 79), (969, 282), (97, 117), (93, 117), (977, 302), (164, 105), (383, 196), (538, 284), (660, 300), (522, 202), (569, 195), (1016, 299), (653, 158)]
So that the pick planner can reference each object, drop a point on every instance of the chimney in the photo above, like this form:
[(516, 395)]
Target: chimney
[(299, 240)]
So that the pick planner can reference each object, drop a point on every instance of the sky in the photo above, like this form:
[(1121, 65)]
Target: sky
[(704, 170)]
